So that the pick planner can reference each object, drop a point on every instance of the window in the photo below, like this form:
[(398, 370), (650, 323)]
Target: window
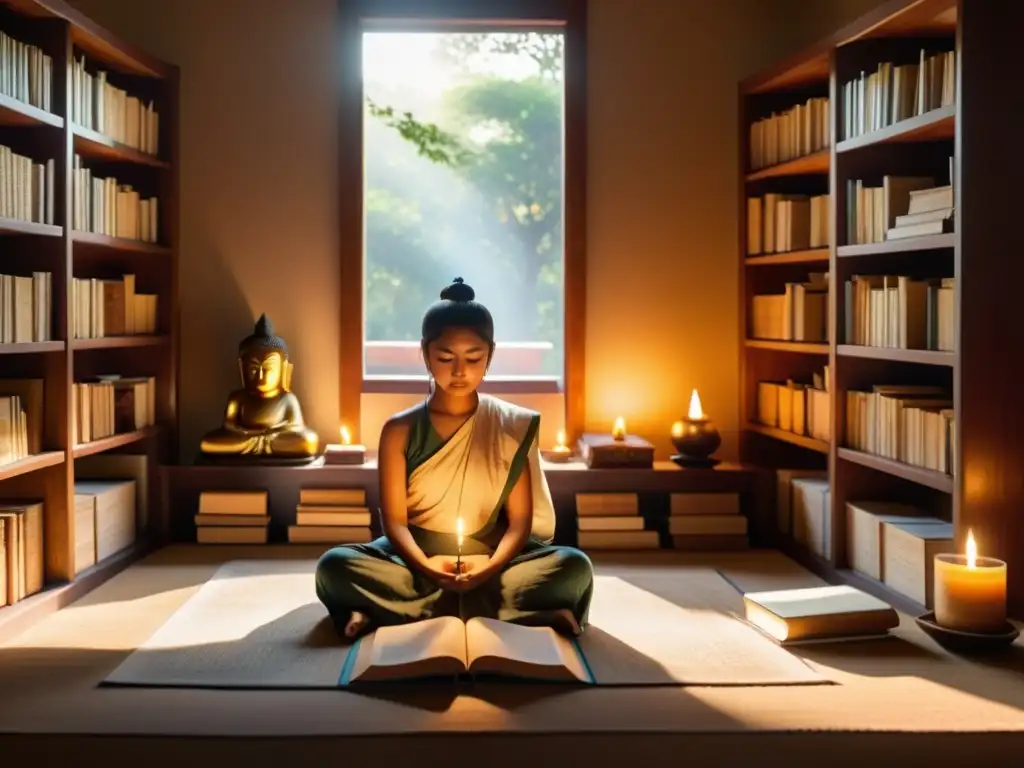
[(463, 176), (462, 153)]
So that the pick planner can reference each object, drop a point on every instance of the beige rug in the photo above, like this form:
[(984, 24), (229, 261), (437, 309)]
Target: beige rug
[(257, 624)]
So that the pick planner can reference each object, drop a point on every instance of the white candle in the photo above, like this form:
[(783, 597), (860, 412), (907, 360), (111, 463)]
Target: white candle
[(619, 429), (970, 591)]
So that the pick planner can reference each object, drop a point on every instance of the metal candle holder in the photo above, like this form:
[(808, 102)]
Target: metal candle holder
[(695, 438)]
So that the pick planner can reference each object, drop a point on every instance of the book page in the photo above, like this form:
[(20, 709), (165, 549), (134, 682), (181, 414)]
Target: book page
[(503, 648), (422, 648)]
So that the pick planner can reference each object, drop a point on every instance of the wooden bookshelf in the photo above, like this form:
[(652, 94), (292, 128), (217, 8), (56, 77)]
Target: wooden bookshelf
[(54, 132), (982, 374)]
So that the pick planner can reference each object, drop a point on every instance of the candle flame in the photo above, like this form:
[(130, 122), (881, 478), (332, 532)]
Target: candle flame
[(677, 429), (696, 411), (458, 531), (619, 430), (346, 436), (972, 550), (560, 439)]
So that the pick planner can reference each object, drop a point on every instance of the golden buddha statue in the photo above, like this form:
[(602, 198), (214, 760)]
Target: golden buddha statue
[(263, 420)]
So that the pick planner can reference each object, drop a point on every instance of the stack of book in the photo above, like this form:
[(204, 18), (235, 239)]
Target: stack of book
[(21, 550), (702, 522), (930, 212), (105, 519), (232, 517), (331, 516), (612, 521)]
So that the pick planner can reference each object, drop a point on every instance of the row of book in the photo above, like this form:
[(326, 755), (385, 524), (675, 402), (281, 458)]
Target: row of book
[(26, 73), (910, 423), (799, 313), (111, 405), (895, 92), (26, 306), (605, 520), (109, 510), (99, 105), (802, 408), (778, 223), (696, 522), (901, 207), (106, 206), (323, 516), (21, 419), (101, 308), (800, 130), (27, 188), (900, 312)]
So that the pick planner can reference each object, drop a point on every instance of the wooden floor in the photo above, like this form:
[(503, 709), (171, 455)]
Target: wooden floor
[(896, 697)]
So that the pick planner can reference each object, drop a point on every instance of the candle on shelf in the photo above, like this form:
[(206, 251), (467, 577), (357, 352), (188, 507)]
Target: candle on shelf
[(695, 437), (561, 452), (619, 429), (970, 591), (345, 452)]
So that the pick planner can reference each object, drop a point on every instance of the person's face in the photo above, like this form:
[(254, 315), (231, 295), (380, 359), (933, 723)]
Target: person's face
[(458, 361), (263, 372)]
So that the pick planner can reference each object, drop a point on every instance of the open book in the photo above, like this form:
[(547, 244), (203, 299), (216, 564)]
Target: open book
[(447, 646)]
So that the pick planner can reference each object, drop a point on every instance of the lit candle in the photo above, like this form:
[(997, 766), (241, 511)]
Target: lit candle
[(619, 429), (458, 537), (560, 446), (345, 452), (695, 437), (970, 591)]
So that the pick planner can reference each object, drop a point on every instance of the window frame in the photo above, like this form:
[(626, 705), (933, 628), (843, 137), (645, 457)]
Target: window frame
[(355, 16)]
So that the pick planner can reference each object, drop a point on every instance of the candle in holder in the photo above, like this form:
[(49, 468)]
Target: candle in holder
[(560, 453), (619, 429), (970, 591), (345, 452), (695, 437)]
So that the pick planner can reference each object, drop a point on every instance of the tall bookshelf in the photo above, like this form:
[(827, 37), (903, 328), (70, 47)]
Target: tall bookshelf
[(89, 121), (975, 359)]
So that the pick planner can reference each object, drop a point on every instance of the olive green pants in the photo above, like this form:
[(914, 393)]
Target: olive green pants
[(372, 579)]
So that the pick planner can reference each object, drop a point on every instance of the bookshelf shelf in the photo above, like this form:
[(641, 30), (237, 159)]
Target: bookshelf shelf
[(926, 477), (918, 356), (119, 342), (963, 284), (814, 256), (31, 464), (929, 243), (93, 145), (49, 377), (92, 239), (17, 113), (936, 125), (115, 441), (798, 347), (32, 348), (816, 163), (792, 438), (19, 227)]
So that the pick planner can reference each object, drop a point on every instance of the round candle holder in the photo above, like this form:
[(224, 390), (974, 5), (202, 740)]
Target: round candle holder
[(961, 641), (695, 440), (556, 457)]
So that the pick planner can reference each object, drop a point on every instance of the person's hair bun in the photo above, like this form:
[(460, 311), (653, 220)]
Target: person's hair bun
[(458, 291)]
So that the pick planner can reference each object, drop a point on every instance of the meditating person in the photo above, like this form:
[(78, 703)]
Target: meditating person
[(459, 460)]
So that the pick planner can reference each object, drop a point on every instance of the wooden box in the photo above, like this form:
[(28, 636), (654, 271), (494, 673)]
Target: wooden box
[(605, 452), (864, 521), (908, 557)]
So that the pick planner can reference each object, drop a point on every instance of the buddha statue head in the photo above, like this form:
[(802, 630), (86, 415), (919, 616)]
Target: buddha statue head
[(263, 361)]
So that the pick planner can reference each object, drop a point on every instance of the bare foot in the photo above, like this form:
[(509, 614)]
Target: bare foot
[(565, 617), (357, 623)]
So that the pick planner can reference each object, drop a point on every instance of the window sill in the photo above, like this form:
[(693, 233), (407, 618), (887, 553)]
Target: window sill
[(499, 385)]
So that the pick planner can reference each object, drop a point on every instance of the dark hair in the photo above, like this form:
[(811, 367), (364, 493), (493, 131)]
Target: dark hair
[(457, 309)]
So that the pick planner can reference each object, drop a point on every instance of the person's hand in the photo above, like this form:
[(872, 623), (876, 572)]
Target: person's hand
[(457, 576)]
